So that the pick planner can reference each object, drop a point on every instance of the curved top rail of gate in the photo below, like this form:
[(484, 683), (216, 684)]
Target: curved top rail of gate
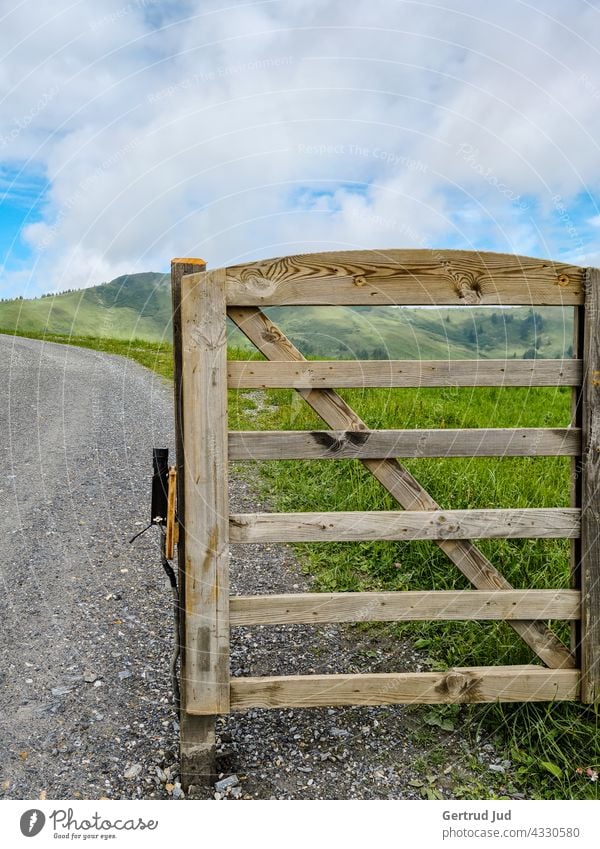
[(411, 277)]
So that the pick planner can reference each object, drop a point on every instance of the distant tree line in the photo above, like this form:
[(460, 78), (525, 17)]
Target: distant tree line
[(38, 297)]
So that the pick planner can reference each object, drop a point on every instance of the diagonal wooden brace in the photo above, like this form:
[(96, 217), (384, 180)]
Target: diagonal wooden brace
[(399, 482)]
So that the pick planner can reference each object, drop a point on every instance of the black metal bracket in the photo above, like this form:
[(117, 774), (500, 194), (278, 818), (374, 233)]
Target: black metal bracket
[(160, 486)]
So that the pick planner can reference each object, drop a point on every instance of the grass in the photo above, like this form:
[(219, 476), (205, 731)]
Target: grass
[(546, 743)]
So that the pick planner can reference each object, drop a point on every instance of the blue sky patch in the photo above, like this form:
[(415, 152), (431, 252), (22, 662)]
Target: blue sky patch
[(23, 196)]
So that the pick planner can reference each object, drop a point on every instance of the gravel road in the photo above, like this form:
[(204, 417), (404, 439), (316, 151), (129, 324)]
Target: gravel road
[(85, 705)]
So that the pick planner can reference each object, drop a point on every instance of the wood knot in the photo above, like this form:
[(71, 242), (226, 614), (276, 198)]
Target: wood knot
[(346, 440), (563, 280), (465, 284), (459, 687), (359, 280), (256, 282), (468, 295), (271, 335), (240, 521)]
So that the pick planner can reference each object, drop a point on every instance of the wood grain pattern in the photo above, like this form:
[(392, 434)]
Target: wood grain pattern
[(404, 277), (461, 685), (382, 444), (249, 374), (272, 342), (206, 496), (575, 499), (306, 608), (179, 268), (590, 496), (548, 523), (197, 733)]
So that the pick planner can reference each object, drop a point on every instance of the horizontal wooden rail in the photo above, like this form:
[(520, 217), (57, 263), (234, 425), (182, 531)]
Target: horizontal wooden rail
[(404, 277), (304, 608), (548, 523), (477, 684), (318, 374), (383, 444)]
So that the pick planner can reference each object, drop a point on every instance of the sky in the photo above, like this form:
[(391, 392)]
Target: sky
[(134, 132)]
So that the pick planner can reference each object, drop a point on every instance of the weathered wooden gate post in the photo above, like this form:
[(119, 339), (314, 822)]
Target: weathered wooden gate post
[(590, 494), (200, 351)]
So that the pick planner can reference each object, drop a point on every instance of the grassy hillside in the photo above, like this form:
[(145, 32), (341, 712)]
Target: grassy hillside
[(129, 307), (138, 306), (412, 333)]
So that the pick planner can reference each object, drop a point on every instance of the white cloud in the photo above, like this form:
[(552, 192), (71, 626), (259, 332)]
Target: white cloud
[(252, 129)]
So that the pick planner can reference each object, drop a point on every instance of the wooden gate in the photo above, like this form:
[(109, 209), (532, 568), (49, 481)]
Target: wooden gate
[(202, 300)]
